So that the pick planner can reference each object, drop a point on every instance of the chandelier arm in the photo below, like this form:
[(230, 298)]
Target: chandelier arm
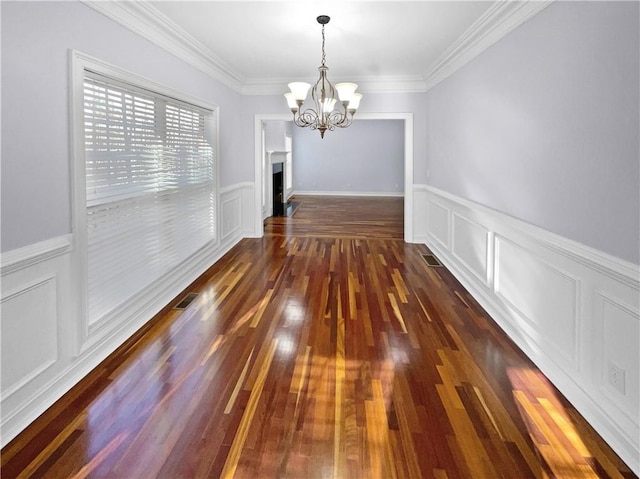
[(298, 121), (345, 112), (305, 118), (341, 120), (309, 115), (346, 123)]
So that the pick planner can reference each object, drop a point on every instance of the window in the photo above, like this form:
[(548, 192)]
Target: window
[(150, 176)]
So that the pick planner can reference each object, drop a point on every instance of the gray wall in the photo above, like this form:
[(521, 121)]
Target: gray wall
[(544, 126), (367, 157), (36, 39)]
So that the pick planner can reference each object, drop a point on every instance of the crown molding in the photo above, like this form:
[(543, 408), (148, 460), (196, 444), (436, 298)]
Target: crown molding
[(366, 84), (497, 22), (408, 84), (148, 22)]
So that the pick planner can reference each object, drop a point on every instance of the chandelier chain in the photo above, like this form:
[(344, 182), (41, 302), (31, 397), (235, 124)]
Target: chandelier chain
[(323, 54)]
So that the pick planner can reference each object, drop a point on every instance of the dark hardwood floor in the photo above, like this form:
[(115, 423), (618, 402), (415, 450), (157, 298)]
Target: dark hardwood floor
[(327, 349)]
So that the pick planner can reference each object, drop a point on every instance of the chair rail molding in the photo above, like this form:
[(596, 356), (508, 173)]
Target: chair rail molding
[(31, 255)]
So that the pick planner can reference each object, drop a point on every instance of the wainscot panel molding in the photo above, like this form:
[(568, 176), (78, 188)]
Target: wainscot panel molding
[(230, 211), (473, 254), (572, 309), (237, 210), (37, 327), (41, 327)]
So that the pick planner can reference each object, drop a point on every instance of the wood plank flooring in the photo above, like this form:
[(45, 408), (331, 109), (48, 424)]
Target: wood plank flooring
[(326, 349)]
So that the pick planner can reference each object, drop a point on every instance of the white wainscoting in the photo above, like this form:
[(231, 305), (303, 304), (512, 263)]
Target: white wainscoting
[(38, 337), (237, 211), (47, 346), (231, 214), (38, 330), (573, 310)]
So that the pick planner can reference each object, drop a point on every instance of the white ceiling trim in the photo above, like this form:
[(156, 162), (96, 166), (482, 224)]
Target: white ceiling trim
[(498, 21), (377, 84), (148, 22)]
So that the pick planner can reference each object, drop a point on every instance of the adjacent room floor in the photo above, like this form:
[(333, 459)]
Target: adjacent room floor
[(327, 349)]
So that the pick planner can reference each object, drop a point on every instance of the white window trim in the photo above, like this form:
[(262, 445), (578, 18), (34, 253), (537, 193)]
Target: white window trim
[(91, 335)]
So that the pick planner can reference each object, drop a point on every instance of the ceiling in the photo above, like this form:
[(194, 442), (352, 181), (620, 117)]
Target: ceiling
[(259, 46)]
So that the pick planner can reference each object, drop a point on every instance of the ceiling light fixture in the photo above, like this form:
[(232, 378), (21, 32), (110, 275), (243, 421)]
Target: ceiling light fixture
[(323, 93)]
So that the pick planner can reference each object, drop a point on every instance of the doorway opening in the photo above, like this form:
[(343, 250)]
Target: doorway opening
[(259, 182)]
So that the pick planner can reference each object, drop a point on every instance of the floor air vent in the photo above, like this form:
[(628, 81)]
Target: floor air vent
[(431, 260), (186, 301)]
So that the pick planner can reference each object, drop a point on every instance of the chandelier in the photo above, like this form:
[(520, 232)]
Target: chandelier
[(323, 94)]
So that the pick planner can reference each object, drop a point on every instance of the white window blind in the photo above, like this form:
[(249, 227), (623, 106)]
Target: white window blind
[(150, 188)]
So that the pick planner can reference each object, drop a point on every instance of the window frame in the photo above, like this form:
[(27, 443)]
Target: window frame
[(89, 335)]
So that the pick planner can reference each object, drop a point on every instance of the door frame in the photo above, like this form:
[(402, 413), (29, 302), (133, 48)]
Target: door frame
[(408, 164)]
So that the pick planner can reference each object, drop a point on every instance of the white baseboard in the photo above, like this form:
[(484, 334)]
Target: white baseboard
[(398, 194), (573, 310)]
